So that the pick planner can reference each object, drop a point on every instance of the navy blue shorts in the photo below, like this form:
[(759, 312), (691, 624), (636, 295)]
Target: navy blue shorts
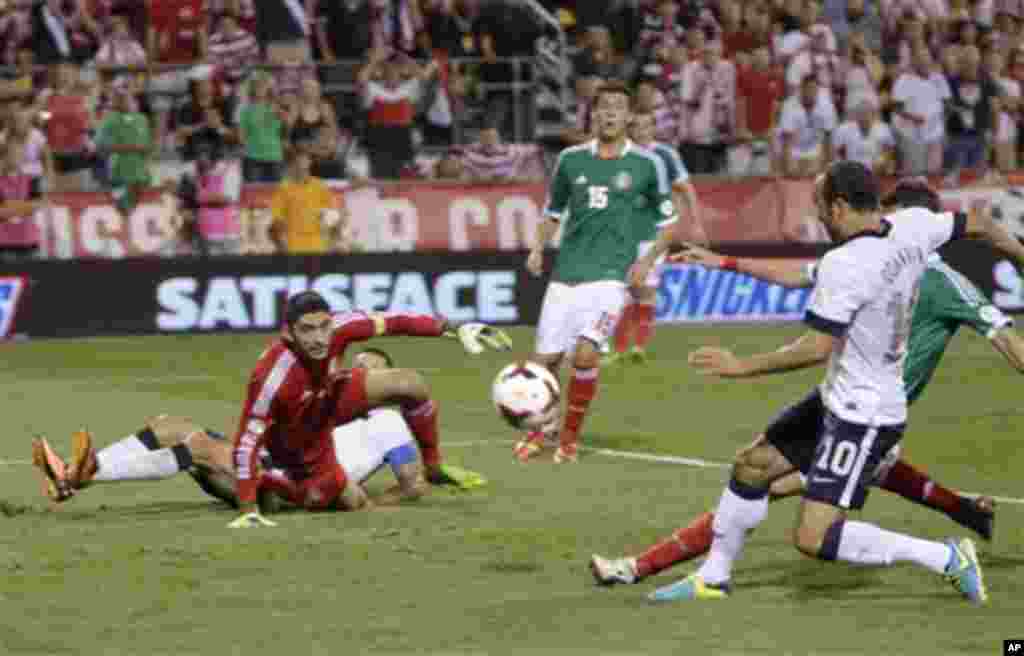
[(838, 457)]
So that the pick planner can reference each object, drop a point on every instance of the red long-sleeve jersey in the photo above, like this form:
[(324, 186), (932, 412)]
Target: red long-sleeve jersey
[(287, 407)]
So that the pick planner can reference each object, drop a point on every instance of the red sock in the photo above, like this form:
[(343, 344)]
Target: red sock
[(643, 316), (916, 486), (422, 420), (684, 544), (582, 389), (624, 329)]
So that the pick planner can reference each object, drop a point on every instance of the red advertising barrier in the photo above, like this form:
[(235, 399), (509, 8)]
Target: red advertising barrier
[(426, 216)]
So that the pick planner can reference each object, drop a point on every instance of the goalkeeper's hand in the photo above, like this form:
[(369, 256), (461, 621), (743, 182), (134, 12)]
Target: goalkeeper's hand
[(475, 337), (251, 520)]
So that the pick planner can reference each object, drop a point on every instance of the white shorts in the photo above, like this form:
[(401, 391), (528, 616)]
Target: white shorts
[(588, 310), (654, 277), (362, 446)]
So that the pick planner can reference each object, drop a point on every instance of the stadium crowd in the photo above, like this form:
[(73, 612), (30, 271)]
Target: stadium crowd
[(95, 92)]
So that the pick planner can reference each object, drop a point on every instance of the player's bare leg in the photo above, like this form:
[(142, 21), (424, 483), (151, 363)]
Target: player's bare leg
[(536, 440), (409, 390), (586, 363)]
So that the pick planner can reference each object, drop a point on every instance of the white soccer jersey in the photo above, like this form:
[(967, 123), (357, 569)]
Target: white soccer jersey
[(361, 446), (864, 295), (850, 142)]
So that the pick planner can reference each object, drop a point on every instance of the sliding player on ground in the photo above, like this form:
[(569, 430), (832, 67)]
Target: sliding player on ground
[(859, 317), (596, 192), (636, 325), (168, 445)]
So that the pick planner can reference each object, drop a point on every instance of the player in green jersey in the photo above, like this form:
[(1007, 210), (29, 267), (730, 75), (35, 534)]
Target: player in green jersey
[(637, 321), (947, 300), (125, 136), (598, 190)]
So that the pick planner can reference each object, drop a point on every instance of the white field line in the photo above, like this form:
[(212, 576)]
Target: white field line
[(677, 460)]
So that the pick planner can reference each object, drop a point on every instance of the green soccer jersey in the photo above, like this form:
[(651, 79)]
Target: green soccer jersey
[(677, 172), (599, 203), (126, 129), (947, 301)]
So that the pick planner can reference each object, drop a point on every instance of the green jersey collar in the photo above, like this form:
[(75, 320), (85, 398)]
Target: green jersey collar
[(625, 148)]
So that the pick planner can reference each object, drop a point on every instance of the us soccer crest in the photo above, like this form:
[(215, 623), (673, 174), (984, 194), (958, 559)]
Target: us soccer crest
[(623, 181)]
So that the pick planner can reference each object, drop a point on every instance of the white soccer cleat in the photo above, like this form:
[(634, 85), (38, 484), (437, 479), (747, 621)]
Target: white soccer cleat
[(611, 571)]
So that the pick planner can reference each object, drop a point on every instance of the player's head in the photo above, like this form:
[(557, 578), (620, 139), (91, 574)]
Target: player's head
[(308, 324), (846, 191), (612, 110), (372, 358), (642, 128), (912, 192)]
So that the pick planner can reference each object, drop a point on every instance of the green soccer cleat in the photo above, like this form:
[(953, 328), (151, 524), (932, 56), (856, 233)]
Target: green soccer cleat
[(964, 571), (463, 479), (691, 588)]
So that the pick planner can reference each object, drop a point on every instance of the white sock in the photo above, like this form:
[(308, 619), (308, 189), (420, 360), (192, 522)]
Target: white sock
[(866, 544), (734, 518), (149, 466), (124, 449)]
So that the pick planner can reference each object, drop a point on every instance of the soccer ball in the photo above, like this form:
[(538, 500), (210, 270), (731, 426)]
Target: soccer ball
[(527, 396)]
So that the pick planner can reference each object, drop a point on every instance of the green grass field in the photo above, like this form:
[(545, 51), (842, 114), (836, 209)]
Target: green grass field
[(150, 569)]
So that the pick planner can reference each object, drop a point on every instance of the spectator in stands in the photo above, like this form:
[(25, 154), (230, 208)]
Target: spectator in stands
[(805, 130), (19, 235), (244, 12), (1007, 130), (19, 83), (972, 110), (597, 56), (343, 29), (760, 89), (709, 92), (918, 121), (15, 26), (121, 49), (36, 158), (177, 36), (284, 28), (51, 33), (261, 126), (330, 152), (67, 130), (865, 139), (301, 208), (660, 27), (790, 38), (125, 138), (203, 118), (863, 73), (85, 30), (819, 59), (652, 100), (449, 24), (583, 127), (848, 17), (395, 23), (218, 192), (507, 29), (235, 51), (490, 160), (391, 103), (312, 114)]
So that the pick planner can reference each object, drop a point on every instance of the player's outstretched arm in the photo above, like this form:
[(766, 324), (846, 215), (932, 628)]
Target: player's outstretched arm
[(1010, 343), (785, 272), (812, 348), (545, 231)]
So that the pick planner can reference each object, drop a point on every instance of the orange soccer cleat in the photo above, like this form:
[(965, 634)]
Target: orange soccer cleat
[(53, 470), (83, 459)]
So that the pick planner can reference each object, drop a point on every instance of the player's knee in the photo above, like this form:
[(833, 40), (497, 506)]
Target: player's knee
[(410, 384), (749, 469), (808, 540), (587, 355)]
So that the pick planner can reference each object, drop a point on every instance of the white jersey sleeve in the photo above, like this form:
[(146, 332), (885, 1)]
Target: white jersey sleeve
[(928, 229), (839, 291)]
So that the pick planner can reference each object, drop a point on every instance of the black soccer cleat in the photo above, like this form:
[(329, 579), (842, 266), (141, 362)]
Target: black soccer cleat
[(976, 514)]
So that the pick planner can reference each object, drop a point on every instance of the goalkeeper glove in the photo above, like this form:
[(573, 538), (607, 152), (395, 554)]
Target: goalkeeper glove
[(251, 520), (477, 336)]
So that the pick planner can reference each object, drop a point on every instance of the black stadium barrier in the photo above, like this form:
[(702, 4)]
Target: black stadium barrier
[(80, 298)]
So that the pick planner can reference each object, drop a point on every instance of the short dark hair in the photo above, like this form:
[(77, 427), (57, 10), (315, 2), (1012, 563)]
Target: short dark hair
[(378, 352), (913, 192), (302, 304), (614, 87), (853, 183)]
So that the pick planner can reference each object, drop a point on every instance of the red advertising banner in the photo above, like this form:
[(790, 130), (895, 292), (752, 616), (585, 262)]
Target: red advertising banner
[(429, 216)]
